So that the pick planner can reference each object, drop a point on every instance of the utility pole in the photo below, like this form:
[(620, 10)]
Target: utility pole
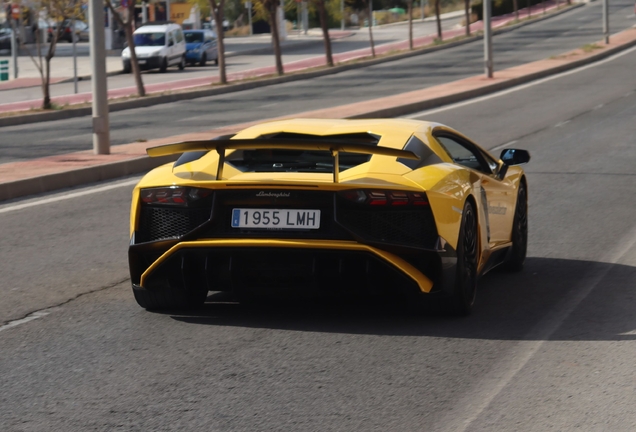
[(14, 51), (488, 38), (305, 16), (101, 126), (606, 21), (341, 14), (74, 39), (248, 5)]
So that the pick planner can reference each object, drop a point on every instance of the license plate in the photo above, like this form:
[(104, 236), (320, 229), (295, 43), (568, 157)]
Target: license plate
[(276, 218), (141, 61)]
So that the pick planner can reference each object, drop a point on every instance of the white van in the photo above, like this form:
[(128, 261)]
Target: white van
[(157, 46)]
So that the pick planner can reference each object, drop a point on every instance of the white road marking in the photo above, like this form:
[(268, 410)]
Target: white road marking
[(521, 87), (66, 196), (31, 317), (559, 124), (503, 145), (490, 387), (598, 107)]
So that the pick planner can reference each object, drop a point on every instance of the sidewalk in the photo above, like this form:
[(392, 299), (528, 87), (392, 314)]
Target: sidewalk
[(62, 64), (302, 65), (56, 172)]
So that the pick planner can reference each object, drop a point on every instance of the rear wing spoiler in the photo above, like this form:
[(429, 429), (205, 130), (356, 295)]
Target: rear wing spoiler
[(334, 147)]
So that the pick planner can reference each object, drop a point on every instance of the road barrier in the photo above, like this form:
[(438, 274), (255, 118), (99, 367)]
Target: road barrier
[(4, 70)]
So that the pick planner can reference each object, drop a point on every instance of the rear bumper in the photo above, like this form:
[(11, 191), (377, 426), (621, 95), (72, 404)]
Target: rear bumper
[(226, 263)]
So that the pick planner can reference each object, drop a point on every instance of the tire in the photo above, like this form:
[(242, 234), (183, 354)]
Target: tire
[(164, 65), (204, 59), (127, 68), (169, 298), (517, 253), (182, 63), (216, 61), (464, 291)]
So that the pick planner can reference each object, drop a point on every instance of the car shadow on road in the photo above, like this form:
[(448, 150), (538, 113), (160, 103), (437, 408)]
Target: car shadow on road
[(588, 300)]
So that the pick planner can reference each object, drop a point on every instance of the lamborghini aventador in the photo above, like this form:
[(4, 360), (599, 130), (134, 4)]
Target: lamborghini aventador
[(327, 207)]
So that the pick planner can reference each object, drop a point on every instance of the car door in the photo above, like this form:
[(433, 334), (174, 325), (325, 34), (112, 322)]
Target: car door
[(497, 195), (214, 48)]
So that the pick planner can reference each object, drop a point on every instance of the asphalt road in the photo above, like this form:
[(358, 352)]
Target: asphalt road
[(533, 42), (294, 49), (550, 348)]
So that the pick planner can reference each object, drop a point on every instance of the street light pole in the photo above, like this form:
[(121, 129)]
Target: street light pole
[(74, 36), (487, 38), (14, 51), (341, 14), (606, 21), (101, 132)]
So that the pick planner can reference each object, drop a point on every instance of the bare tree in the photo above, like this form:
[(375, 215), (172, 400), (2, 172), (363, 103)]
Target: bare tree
[(515, 6), (467, 15), (269, 9), (410, 9), (370, 13), (59, 13), (126, 19), (217, 8), (438, 19), (324, 24)]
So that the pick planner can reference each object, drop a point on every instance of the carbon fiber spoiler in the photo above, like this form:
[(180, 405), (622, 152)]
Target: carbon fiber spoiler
[(334, 147)]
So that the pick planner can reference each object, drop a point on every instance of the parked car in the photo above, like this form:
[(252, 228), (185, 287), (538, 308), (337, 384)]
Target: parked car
[(81, 31), (157, 46), (5, 39), (201, 47)]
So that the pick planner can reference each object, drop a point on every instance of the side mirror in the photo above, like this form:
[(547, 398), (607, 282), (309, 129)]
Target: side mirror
[(514, 156)]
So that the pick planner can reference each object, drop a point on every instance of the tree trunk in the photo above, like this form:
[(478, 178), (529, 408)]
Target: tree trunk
[(325, 31), (467, 15), (134, 65), (371, 28), (220, 42), (438, 19), (515, 6), (46, 76), (46, 101), (529, 11), (410, 8), (273, 19)]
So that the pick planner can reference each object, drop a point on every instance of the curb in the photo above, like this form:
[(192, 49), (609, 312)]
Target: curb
[(147, 101)]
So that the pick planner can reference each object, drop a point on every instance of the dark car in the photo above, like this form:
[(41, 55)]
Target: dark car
[(81, 31), (5, 39), (201, 47)]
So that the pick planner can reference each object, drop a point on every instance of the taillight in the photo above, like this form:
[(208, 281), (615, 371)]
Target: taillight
[(385, 197), (173, 195)]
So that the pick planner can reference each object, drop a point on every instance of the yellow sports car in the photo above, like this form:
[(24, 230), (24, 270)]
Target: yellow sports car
[(327, 206)]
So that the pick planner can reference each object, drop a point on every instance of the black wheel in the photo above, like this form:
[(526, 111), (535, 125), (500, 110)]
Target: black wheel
[(164, 65), (517, 253), (465, 289), (204, 60), (216, 61), (169, 297), (127, 68), (182, 63)]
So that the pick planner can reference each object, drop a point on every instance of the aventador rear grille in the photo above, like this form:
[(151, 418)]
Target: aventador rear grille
[(167, 222), (414, 228)]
